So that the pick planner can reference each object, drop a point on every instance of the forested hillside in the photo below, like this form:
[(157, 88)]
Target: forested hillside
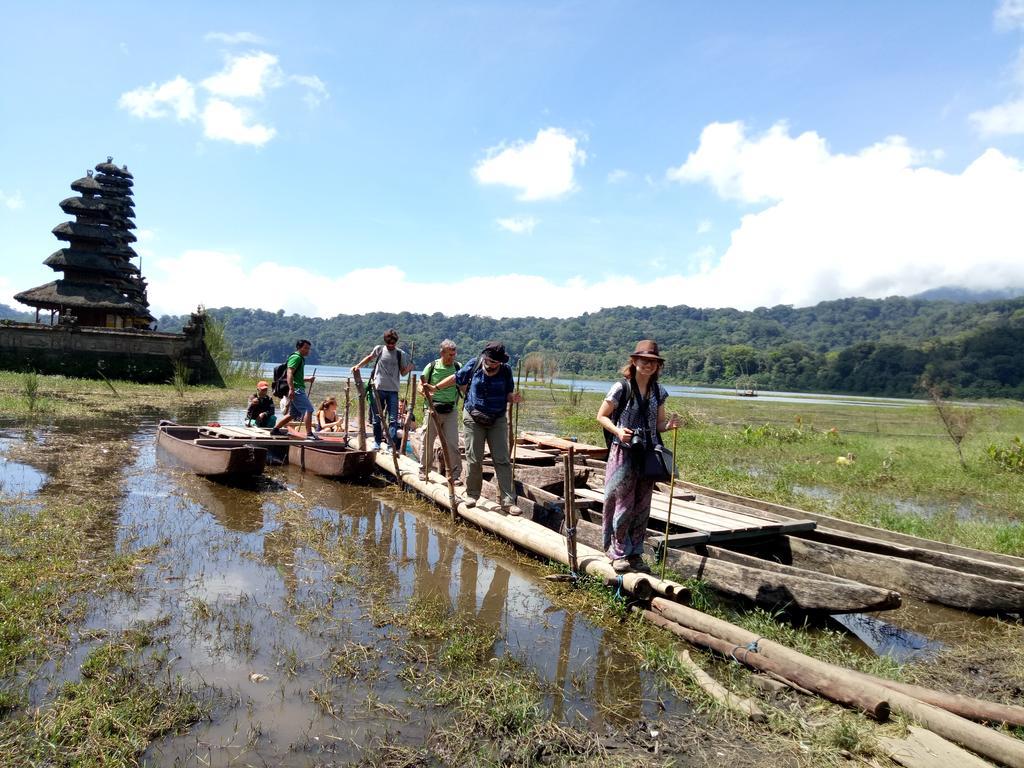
[(869, 346)]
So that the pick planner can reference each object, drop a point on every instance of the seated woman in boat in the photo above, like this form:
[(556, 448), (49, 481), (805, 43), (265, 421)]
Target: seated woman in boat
[(633, 413), (261, 408), (326, 418)]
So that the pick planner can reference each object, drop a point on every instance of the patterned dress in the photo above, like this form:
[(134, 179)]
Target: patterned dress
[(627, 493)]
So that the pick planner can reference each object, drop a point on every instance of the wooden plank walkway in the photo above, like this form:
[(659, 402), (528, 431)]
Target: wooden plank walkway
[(708, 524)]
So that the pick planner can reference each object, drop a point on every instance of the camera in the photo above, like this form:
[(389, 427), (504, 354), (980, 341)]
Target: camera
[(639, 438)]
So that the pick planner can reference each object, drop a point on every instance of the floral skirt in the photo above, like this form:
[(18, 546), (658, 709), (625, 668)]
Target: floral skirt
[(627, 505)]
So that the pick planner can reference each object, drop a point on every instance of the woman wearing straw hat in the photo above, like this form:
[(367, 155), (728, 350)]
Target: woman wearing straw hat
[(633, 414)]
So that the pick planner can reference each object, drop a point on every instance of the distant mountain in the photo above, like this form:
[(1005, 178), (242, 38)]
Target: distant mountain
[(968, 295), (10, 313), (856, 345)]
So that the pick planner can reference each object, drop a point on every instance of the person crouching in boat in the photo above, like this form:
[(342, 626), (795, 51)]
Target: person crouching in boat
[(261, 408), (326, 419), (633, 413)]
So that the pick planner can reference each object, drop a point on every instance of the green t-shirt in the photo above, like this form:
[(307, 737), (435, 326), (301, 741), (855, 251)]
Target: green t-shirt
[(438, 371), (298, 365)]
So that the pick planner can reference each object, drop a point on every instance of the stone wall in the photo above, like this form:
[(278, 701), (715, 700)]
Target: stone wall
[(86, 352)]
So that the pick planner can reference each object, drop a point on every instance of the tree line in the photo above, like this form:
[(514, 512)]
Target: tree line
[(864, 346)]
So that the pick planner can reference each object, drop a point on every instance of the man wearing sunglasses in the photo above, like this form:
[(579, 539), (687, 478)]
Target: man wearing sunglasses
[(490, 388)]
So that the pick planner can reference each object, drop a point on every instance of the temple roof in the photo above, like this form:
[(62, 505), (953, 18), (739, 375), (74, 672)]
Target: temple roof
[(86, 185), (93, 208), (73, 230), (62, 294), (115, 181), (113, 170), (91, 261)]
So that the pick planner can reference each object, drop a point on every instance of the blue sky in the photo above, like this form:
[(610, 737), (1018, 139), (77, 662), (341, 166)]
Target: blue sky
[(525, 158)]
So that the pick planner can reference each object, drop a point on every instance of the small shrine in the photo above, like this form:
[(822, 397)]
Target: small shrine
[(100, 286)]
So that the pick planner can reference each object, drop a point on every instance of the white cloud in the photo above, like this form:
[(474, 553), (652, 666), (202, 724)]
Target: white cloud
[(1001, 120), (1010, 14), (176, 96), (223, 120), (13, 201), (246, 76), (543, 169), (872, 224), (518, 224), (703, 227), (234, 38), (316, 89), (617, 175)]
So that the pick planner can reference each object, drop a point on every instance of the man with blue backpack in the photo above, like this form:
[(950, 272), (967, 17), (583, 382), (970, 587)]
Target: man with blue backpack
[(293, 384)]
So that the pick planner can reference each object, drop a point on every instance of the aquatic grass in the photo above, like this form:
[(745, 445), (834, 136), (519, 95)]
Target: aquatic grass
[(123, 700), (30, 389)]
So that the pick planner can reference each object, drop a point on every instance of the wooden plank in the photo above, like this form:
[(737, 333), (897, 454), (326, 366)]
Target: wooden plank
[(921, 748), (553, 441), (265, 442)]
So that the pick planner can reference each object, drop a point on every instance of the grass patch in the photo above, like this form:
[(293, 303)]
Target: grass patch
[(123, 700)]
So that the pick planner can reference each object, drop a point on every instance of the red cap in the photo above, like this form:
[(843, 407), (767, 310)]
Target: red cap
[(262, 385)]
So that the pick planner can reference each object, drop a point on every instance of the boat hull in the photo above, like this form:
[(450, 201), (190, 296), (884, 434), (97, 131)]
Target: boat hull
[(210, 461), (332, 460)]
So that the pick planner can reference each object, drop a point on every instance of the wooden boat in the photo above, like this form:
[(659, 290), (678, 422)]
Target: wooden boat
[(187, 445), (332, 458)]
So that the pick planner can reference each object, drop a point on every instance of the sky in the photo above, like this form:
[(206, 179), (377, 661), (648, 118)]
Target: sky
[(524, 158)]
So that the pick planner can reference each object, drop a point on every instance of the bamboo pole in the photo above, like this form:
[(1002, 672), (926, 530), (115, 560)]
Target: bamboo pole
[(357, 376), (453, 503), (720, 693), (410, 413), (348, 396), (671, 496), (569, 497), (514, 436), (978, 738)]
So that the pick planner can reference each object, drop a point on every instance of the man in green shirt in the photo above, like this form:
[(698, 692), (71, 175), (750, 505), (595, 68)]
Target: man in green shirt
[(444, 401), (299, 406)]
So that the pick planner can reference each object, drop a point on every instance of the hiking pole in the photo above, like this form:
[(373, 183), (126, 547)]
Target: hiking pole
[(428, 446), (515, 427), (568, 461), (348, 391), (671, 495), (311, 383)]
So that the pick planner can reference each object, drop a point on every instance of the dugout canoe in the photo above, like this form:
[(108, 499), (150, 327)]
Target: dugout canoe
[(968, 579), (332, 458), (232, 461)]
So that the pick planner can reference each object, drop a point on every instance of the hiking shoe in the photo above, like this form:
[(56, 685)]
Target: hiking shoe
[(278, 432), (621, 565), (511, 509), (313, 436), (470, 501), (636, 562), (424, 477)]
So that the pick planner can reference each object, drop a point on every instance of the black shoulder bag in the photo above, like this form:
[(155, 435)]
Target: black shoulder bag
[(655, 461)]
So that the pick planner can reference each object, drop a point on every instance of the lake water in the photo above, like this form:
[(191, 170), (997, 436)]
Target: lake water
[(332, 374)]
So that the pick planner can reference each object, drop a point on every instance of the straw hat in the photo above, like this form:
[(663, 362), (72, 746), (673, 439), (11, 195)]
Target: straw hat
[(647, 348)]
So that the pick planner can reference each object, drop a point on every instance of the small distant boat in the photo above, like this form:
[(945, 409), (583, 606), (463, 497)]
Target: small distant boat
[(229, 461), (746, 393)]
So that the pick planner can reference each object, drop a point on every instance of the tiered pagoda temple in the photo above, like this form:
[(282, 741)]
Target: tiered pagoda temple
[(100, 284), (99, 322)]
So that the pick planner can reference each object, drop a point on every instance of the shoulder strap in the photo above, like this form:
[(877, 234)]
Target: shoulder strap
[(428, 371), (624, 398)]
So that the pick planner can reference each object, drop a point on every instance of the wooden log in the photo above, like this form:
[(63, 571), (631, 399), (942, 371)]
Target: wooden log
[(968, 707), (570, 515), (840, 691), (720, 693), (410, 411), (348, 399), (531, 536), (773, 586), (978, 738), (922, 580)]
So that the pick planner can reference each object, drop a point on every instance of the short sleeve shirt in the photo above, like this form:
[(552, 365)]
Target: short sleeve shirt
[(388, 375), (631, 416), (298, 365), (486, 393)]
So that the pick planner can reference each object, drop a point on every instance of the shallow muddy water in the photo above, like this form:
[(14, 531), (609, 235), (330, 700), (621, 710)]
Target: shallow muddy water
[(288, 638)]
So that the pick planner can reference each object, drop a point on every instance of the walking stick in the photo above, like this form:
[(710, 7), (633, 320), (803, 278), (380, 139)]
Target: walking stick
[(427, 446), (568, 462), (671, 495), (361, 394), (311, 383), (410, 412), (515, 428), (348, 391)]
